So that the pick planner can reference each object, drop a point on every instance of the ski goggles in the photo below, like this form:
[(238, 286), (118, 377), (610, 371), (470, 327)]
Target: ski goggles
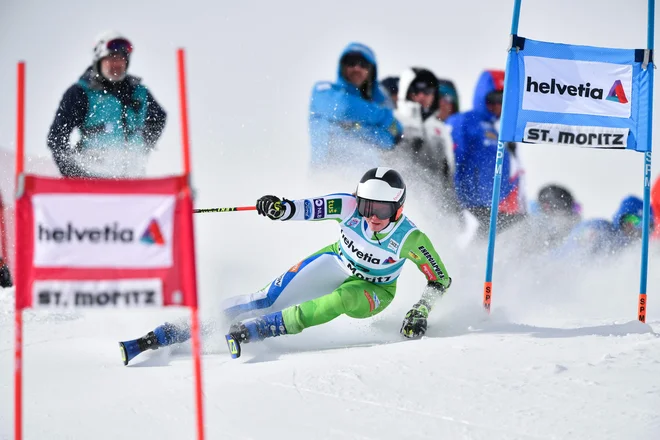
[(119, 45), (382, 210), (633, 220), (355, 59)]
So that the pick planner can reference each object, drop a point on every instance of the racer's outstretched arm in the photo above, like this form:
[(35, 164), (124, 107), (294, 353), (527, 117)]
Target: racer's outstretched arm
[(329, 207)]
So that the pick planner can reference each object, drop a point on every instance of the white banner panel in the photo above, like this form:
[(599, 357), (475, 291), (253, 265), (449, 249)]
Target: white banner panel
[(103, 231), (578, 87), (579, 135), (67, 294)]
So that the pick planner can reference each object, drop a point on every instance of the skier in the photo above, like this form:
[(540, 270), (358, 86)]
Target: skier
[(355, 276), (118, 118)]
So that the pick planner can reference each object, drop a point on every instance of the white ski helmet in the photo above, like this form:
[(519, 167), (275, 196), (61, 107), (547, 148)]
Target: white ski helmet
[(381, 192), (108, 43)]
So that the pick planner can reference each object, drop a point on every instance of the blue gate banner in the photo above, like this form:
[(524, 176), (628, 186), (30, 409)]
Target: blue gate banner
[(577, 95)]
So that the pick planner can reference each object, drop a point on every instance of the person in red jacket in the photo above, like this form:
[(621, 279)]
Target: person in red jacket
[(655, 205)]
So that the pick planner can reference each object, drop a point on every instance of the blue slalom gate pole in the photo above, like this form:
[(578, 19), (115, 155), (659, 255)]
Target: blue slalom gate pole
[(499, 160), (642, 305)]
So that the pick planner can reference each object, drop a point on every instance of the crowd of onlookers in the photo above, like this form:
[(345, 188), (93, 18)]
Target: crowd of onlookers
[(414, 122)]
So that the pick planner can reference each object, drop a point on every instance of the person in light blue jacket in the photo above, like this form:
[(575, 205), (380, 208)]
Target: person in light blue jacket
[(349, 119)]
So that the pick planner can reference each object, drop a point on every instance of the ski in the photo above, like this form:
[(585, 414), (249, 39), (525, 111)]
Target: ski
[(234, 346)]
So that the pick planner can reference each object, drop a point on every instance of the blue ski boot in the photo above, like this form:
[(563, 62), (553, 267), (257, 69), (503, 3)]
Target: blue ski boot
[(162, 336), (252, 330)]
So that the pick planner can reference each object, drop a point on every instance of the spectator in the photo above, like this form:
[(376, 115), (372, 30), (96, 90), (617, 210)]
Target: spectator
[(390, 85), (349, 122), (118, 119), (655, 204), (427, 143), (475, 137), (5, 276), (604, 237), (552, 217), (448, 99)]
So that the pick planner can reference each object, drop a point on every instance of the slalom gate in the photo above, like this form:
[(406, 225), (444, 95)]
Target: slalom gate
[(582, 96), (104, 244)]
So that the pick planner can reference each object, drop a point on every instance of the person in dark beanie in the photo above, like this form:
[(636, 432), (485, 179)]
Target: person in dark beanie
[(390, 85), (118, 119)]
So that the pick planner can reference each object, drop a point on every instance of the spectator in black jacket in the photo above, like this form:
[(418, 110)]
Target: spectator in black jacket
[(118, 119), (5, 276)]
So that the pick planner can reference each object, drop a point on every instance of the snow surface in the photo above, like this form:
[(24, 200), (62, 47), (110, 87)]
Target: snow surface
[(561, 356)]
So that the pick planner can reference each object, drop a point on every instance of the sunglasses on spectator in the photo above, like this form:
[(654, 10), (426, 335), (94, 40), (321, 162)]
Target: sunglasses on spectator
[(423, 90), (353, 60)]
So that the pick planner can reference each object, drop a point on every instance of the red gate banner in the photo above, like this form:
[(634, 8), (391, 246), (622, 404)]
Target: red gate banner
[(104, 243)]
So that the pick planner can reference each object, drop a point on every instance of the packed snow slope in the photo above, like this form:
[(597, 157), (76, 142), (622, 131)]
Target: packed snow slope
[(560, 357)]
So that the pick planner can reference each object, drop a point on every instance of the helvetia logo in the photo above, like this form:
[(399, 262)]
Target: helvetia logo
[(152, 235), (110, 233), (389, 260), (617, 94)]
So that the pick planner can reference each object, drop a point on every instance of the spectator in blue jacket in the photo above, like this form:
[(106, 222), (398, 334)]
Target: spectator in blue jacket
[(603, 237), (117, 118), (349, 121), (475, 146)]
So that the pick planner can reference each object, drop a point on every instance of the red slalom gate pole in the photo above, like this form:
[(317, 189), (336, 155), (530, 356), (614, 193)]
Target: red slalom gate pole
[(4, 253), (195, 341), (18, 313), (185, 136)]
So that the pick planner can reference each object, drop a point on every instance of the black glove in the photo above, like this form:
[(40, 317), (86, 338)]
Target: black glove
[(414, 324), (271, 207)]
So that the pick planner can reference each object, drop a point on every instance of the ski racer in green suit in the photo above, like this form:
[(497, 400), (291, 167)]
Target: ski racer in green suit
[(355, 276)]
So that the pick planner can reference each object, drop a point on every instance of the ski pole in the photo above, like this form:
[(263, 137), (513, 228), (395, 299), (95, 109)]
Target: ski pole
[(232, 209)]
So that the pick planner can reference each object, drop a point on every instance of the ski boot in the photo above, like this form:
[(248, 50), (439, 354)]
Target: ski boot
[(162, 336), (253, 330)]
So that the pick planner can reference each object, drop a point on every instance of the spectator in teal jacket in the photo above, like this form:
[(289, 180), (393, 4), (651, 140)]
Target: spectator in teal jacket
[(118, 119)]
